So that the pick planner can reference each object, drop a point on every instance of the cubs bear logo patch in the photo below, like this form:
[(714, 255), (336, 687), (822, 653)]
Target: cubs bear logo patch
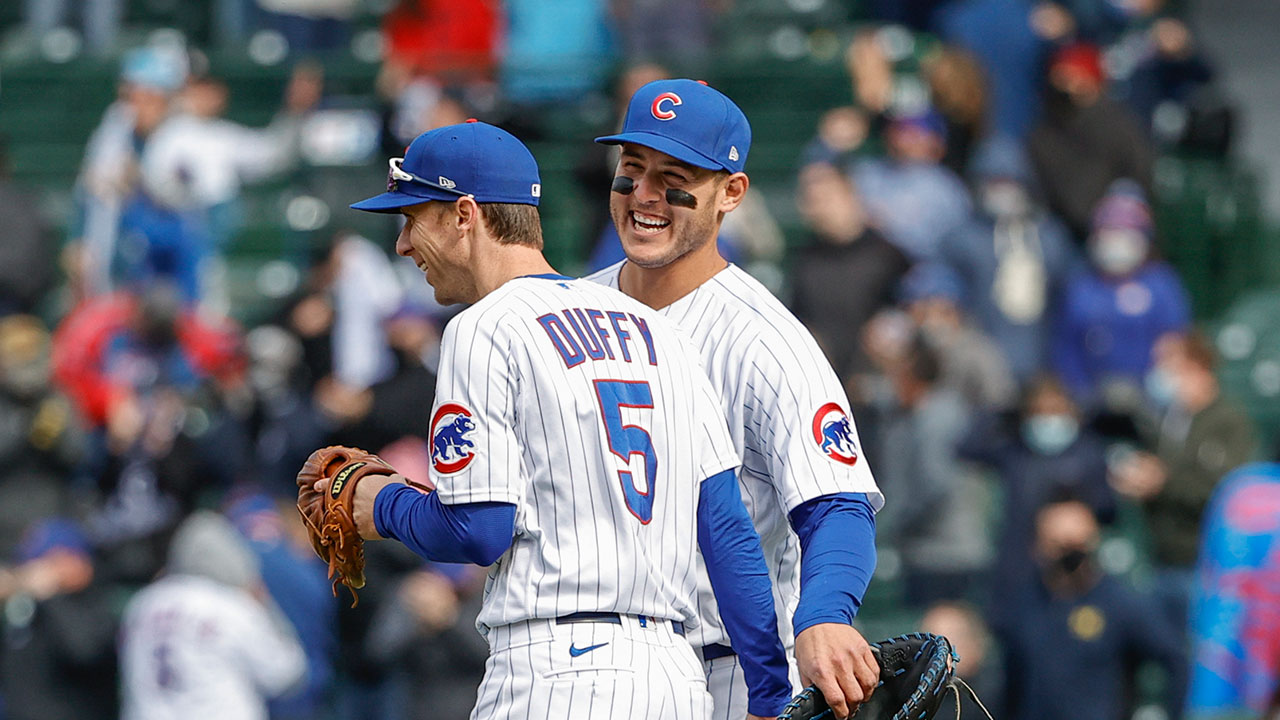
[(451, 445), (833, 434)]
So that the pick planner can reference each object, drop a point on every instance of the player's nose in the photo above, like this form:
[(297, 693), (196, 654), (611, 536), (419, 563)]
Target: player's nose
[(648, 191), (402, 244)]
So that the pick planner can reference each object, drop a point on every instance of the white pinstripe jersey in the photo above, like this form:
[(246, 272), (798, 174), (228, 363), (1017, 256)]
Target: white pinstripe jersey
[(787, 413), (590, 412)]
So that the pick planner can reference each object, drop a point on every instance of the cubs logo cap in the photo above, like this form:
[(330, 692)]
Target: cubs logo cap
[(688, 120), (469, 159)]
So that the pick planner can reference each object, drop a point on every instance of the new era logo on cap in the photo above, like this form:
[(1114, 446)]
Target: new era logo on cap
[(446, 182), (689, 121)]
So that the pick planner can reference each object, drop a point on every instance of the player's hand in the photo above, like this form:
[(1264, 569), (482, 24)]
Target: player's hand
[(362, 507), (837, 659)]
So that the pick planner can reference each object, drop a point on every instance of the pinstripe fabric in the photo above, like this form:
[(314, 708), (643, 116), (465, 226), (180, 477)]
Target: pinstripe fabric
[(775, 389), (541, 441)]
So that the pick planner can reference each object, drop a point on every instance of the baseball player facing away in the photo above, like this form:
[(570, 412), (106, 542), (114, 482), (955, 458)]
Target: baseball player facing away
[(577, 446), (805, 482)]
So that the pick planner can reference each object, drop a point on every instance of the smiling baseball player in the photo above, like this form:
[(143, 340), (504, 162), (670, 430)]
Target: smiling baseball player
[(804, 479), (577, 445)]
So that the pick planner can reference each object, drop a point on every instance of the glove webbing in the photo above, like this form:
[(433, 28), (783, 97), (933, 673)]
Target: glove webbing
[(802, 706), (332, 536)]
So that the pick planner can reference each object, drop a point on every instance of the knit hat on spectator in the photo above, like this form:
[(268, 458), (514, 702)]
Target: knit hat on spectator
[(1084, 59), (922, 119), (208, 545), (1124, 206), (50, 534), (158, 68), (928, 280)]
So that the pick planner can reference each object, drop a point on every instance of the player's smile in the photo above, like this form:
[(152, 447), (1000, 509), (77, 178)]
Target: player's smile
[(646, 224)]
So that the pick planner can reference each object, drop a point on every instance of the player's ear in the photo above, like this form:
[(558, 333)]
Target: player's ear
[(734, 190), (466, 214)]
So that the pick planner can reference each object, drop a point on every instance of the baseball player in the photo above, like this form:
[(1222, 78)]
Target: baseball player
[(577, 445), (804, 479)]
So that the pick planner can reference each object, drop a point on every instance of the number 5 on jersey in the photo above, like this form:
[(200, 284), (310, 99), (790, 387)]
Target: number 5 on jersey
[(628, 440)]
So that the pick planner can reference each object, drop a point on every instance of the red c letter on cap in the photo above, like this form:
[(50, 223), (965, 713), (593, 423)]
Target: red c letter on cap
[(657, 110)]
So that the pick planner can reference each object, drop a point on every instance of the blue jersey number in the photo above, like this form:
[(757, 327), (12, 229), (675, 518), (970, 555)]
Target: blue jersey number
[(628, 440)]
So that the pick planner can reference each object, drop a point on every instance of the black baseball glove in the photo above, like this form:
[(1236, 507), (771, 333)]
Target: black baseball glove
[(916, 671)]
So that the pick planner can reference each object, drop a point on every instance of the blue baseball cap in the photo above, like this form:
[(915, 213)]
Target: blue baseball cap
[(469, 159), (688, 120)]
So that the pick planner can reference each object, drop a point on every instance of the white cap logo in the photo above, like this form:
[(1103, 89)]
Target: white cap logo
[(447, 183), (733, 153), (536, 190)]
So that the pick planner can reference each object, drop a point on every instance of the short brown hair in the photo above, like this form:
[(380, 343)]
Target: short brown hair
[(513, 223), (1197, 349)]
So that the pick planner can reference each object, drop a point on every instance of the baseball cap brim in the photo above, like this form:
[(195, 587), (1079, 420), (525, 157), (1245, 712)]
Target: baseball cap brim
[(390, 202), (674, 148)]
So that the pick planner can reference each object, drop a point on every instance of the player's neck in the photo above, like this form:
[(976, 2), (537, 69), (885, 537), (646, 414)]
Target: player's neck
[(503, 263), (661, 286)]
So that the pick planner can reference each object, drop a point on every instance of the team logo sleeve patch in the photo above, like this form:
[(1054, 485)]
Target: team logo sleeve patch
[(452, 447), (833, 433)]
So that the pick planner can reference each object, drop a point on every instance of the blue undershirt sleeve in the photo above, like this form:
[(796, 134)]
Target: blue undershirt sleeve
[(735, 565), (837, 557), (468, 533)]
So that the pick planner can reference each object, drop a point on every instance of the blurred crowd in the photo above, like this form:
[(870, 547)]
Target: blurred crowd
[(1070, 494)]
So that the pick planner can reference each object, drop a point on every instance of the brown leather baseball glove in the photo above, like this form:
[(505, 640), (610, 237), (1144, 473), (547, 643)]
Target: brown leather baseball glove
[(329, 516)]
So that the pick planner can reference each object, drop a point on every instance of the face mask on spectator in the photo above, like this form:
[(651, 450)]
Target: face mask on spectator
[(1069, 561), (1050, 434), (1003, 200), (1118, 251), (1160, 386)]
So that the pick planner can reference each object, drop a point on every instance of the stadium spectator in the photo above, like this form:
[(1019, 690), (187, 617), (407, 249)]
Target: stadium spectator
[(42, 441), (1202, 436), (455, 43), (370, 684), (390, 409), (1074, 627), (1012, 257), (1235, 671), (1112, 312), (1010, 47), (972, 364), (140, 369), (108, 189), (958, 89), (206, 640), (57, 647), (111, 351), (197, 160), (936, 527), (846, 273), (296, 580), (979, 668), (1085, 141), (278, 420), (1157, 69), (427, 637), (909, 195), (1049, 450)]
